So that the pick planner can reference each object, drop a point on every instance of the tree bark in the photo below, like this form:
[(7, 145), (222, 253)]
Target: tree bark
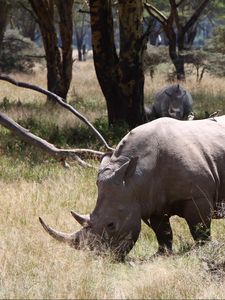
[(4, 9), (59, 66), (120, 77)]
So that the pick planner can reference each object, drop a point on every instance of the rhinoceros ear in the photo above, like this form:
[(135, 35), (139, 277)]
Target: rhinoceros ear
[(126, 170), (105, 160)]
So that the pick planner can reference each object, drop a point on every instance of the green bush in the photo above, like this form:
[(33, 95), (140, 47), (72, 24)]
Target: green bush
[(153, 57), (17, 52)]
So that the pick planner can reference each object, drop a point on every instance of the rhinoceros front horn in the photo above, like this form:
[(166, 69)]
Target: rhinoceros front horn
[(83, 220), (70, 238)]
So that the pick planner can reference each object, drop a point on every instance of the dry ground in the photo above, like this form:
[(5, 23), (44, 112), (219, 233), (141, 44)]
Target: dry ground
[(32, 265)]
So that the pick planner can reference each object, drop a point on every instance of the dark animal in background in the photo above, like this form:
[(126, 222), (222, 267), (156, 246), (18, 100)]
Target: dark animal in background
[(172, 101), (162, 168)]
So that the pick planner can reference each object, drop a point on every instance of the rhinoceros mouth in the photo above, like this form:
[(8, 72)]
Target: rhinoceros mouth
[(85, 238), (174, 112)]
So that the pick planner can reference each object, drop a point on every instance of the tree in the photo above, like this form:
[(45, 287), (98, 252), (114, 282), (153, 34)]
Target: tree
[(153, 57), (23, 19), (18, 53), (217, 42), (4, 10), (120, 75), (178, 29), (81, 25), (59, 62)]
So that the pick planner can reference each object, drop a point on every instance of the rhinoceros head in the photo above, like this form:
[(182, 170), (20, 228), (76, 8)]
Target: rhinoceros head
[(176, 105), (115, 222)]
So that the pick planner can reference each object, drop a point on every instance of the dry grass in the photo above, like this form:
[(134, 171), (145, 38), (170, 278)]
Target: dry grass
[(33, 265), (208, 95)]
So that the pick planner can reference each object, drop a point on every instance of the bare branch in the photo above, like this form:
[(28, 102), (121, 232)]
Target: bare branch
[(82, 11), (34, 56), (31, 138), (195, 15), (153, 11), (59, 100), (29, 10)]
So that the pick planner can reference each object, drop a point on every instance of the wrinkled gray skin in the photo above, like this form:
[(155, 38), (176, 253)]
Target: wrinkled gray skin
[(163, 168), (172, 101)]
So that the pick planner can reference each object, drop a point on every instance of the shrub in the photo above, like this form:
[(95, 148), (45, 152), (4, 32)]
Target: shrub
[(153, 57), (18, 53)]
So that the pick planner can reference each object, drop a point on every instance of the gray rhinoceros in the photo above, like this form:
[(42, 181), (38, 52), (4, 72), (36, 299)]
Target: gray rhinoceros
[(171, 101), (162, 168)]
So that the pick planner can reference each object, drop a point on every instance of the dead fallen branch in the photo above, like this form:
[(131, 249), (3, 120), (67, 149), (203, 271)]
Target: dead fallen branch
[(60, 101), (32, 139)]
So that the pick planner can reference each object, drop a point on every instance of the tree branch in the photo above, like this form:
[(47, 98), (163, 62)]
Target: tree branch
[(174, 14), (31, 138), (29, 10), (153, 11), (59, 100), (195, 15), (82, 11)]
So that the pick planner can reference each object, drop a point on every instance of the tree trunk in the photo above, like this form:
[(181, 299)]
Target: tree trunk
[(131, 76), (65, 9), (121, 78), (105, 58), (4, 9), (59, 66), (79, 45)]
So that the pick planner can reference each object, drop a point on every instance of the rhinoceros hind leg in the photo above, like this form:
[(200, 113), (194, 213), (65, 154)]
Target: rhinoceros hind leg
[(198, 218), (200, 230), (163, 231)]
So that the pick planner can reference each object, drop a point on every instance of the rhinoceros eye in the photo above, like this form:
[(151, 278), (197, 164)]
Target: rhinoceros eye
[(111, 226)]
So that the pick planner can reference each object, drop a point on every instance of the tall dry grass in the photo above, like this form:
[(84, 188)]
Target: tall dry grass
[(33, 265)]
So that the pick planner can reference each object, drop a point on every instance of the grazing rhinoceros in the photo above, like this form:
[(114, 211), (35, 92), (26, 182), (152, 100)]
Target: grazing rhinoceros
[(162, 168), (171, 101)]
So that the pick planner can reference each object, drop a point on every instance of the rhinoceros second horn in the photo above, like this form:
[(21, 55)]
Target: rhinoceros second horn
[(83, 220)]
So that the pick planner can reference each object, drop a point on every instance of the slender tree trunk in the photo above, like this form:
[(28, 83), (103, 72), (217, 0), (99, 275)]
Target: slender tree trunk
[(79, 45), (4, 9), (59, 65), (65, 9)]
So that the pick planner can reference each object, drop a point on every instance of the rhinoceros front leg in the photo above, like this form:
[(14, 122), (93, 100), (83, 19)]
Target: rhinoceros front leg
[(163, 231)]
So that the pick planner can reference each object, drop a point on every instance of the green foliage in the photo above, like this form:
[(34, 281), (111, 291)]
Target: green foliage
[(153, 57), (113, 134), (29, 164), (17, 53), (79, 136), (203, 60), (206, 103), (217, 42)]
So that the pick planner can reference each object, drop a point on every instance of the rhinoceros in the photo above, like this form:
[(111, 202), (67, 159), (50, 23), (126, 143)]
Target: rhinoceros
[(160, 169), (171, 101)]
